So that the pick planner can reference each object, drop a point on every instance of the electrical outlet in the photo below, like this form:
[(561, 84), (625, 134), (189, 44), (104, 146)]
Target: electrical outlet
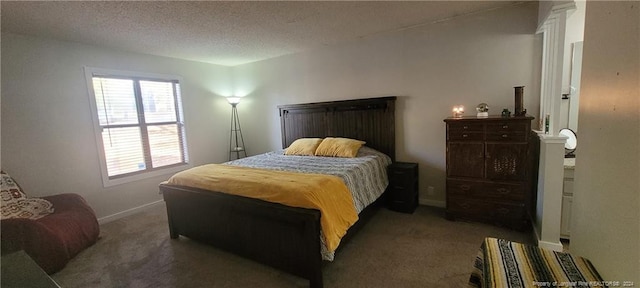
[(430, 191)]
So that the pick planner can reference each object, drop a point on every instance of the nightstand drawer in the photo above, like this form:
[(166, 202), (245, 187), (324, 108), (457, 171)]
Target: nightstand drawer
[(403, 192), (400, 173), (402, 187)]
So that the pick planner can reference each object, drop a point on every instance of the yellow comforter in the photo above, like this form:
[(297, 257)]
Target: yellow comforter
[(326, 193)]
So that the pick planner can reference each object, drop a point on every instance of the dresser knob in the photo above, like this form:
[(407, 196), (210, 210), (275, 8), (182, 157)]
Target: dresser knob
[(465, 205), (503, 191), (465, 127), (505, 126), (465, 135), (465, 187), (503, 211), (505, 136)]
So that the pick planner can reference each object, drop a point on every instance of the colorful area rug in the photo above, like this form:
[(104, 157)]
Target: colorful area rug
[(502, 263)]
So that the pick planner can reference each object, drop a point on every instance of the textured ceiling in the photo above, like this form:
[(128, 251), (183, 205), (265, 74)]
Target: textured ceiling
[(225, 33)]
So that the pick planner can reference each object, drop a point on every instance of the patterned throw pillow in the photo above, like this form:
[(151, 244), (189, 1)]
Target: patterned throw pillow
[(15, 203)]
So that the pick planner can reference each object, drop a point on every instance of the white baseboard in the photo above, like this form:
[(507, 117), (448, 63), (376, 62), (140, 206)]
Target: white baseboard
[(550, 245), (434, 203), (125, 213)]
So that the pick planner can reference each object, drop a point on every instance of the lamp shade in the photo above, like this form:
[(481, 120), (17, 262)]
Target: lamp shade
[(233, 100)]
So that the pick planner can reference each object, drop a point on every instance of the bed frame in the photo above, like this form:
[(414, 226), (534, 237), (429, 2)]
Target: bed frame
[(289, 237)]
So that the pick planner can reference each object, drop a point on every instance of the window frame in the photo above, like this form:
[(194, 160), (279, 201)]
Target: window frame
[(108, 181)]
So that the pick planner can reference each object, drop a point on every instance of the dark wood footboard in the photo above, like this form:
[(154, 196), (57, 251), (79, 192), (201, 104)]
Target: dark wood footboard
[(289, 237)]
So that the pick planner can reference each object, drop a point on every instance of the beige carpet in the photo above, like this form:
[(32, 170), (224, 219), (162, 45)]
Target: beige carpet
[(392, 250)]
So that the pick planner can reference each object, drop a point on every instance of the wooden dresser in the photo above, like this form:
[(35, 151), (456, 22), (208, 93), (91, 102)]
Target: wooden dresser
[(489, 170)]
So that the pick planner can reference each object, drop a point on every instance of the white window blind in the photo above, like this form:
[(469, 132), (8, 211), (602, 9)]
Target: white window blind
[(139, 121)]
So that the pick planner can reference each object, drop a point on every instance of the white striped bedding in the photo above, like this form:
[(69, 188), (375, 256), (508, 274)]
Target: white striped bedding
[(365, 175)]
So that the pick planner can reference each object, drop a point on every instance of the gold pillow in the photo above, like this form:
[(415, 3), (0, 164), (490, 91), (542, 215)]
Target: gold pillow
[(303, 147), (339, 147)]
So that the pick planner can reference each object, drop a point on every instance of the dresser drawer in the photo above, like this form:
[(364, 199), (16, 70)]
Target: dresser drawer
[(466, 127), (507, 126), (505, 212), (465, 131), (463, 188), (507, 136), (486, 210), (483, 190), (466, 136), (507, 131), (502, 191)]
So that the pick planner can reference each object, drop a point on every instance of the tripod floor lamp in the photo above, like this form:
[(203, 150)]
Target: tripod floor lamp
[(236, 141)]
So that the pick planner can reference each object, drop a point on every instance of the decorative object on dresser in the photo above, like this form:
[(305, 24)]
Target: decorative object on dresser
[(236, 145), (519, 101), (403, 187), (483, 110), (458, 111), (490, 169)]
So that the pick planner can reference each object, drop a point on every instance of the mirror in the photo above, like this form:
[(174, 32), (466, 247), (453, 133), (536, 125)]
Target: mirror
[(571, 144)]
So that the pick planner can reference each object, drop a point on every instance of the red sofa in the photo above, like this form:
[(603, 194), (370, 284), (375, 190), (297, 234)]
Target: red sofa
[(54, 239)]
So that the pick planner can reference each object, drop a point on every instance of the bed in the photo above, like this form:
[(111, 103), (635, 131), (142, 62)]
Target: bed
[(289, 237)]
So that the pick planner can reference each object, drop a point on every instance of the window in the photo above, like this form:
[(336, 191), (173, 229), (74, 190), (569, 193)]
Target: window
[(139, 124)]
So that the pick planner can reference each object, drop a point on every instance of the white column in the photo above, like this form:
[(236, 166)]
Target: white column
[(550, 181), (551, 167), (553, 29)]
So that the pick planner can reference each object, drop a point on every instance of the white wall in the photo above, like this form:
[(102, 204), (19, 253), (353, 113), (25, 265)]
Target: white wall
[(467, 60), (606, 204), (49, 147), (574, 33), (48, 141)]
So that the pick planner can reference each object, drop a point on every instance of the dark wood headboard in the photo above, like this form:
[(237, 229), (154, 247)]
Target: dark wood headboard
[(371, 120)]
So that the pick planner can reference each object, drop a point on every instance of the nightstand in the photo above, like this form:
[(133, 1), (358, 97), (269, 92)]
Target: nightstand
[(402, 193)]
